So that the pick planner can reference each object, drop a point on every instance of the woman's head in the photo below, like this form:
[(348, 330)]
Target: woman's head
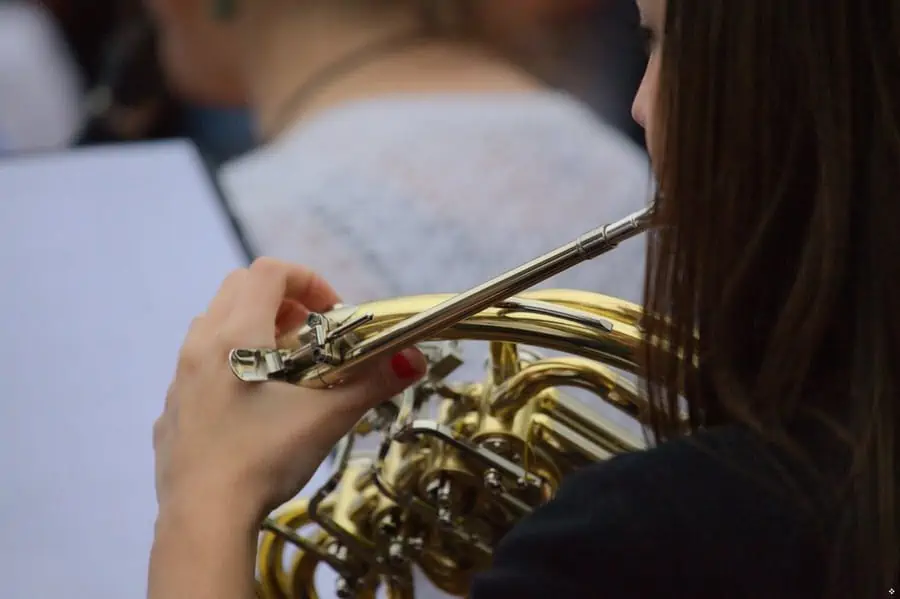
[(212, 47), (774, 128)]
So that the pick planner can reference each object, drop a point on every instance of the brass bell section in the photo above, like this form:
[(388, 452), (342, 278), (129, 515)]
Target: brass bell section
[(457, 465)]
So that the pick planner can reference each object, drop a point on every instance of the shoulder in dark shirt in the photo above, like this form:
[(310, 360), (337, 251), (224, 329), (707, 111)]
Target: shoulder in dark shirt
[(708, 516)]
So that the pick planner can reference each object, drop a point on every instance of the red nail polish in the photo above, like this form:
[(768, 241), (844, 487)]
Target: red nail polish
[(403, 368)]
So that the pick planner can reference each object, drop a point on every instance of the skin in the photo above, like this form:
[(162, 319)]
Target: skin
[(227, 452), (260, 56), (653, 18)]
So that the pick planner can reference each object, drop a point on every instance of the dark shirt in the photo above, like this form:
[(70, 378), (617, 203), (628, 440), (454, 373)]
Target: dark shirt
[(709, 516)]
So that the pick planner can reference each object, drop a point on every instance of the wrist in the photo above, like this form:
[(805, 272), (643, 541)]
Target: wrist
[(203, 551), (224, 516)]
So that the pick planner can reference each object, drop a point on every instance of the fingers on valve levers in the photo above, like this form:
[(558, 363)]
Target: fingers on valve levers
[(282, 280), (398, 372)]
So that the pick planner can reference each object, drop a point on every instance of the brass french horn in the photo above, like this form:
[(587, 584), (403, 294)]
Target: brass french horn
[(459, 464)]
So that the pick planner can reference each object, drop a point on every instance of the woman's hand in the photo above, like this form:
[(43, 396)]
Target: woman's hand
[(254, 446)]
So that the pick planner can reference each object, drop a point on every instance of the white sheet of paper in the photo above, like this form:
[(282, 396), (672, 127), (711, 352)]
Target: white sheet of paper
[(107, 255)]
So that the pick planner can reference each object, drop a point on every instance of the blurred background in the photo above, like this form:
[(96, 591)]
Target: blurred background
[(434, 176), (66, 65), (56, 56)]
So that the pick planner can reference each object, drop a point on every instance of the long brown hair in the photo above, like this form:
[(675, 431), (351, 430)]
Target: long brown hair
[(780, 245)]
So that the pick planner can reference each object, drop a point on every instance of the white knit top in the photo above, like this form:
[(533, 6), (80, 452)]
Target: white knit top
[(420, 194)]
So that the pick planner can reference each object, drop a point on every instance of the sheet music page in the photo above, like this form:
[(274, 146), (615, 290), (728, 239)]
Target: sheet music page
[(107, 256)]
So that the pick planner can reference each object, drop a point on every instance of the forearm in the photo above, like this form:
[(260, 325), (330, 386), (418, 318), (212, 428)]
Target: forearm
[(201, 555)]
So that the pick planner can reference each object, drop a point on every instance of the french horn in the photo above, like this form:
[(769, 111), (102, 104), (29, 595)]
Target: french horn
[(457, 465)]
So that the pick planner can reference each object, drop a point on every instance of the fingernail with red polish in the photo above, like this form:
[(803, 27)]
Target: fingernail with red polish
[(403, 368)]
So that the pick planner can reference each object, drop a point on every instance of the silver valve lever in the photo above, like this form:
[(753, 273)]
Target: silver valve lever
[(327, 338), (330, 364), (324, 342), (258, 365)]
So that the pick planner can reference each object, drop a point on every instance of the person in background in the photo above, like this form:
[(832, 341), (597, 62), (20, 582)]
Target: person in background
[(40, 86), (87, 28), (407, 146), (114, 46), (605, 63), (129, 99)]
